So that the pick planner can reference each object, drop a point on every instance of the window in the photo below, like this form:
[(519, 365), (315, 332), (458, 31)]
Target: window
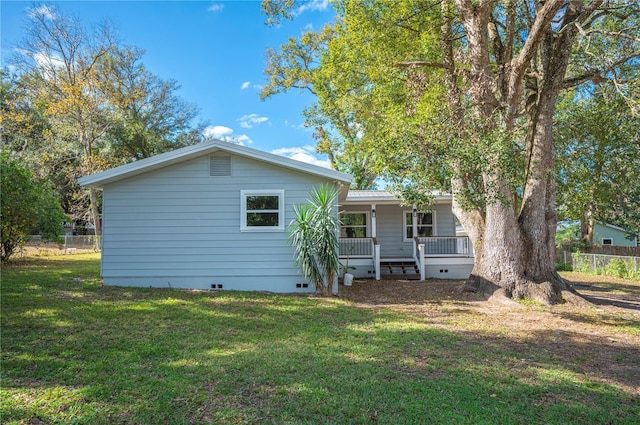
[(353, 224), (425, 221), (607, 241), (262, 210)]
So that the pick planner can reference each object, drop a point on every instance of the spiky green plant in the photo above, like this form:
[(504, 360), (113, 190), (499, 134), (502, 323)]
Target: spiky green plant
[(314, 235)]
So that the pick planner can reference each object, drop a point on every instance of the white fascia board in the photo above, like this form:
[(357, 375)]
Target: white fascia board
[(98, 180), (383, 197)]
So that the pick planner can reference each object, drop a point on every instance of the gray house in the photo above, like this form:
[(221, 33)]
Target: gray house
[(215, 216), (212, 215), (603, 233), (608, 234)]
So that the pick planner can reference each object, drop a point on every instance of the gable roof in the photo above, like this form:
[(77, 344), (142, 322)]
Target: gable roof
[(611, 226), (98, 180)]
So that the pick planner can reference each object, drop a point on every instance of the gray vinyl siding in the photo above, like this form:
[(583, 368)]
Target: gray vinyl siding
[(390, 227), (618, 236), (390, 232), (179, 227)]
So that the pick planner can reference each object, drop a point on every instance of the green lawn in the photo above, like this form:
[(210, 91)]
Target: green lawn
[(76, 352)]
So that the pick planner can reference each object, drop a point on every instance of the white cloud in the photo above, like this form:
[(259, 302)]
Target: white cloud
[(313, 5), (47, 62), (216, 7), (47, 65), (225, 134), (304, 153), (217, 131), (248, 121), (245, 85), (42, 10), (242, 139), (299, 126)]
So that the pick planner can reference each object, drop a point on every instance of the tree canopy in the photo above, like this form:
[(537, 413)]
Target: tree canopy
[(28, 207), (460, 95), (598, 148), (79, 101)]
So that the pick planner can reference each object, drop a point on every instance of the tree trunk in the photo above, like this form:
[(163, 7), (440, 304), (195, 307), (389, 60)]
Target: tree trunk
[(514, 256), (515, 251), (586, 224), (95, 215), (93, 193)]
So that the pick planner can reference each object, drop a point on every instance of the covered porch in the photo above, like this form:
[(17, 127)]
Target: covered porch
[(382, 239), (433, 256)]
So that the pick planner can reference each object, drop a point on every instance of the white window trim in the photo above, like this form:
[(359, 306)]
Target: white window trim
[(264, 192), (404, 223), (367, 231), (607, 239)]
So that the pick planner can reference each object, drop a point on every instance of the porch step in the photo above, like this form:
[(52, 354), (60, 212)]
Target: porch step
[(400, 269)]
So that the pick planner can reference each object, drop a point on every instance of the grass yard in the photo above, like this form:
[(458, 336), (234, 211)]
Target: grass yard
[(76, 352)]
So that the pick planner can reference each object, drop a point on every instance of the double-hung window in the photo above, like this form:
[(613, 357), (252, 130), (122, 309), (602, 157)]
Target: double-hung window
[(261, 210), (425, 224), (353, 224)]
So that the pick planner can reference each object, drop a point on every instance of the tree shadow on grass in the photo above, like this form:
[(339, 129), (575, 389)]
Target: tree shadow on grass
[(614, 301), (172, 356), (613, 286), (282, 359)]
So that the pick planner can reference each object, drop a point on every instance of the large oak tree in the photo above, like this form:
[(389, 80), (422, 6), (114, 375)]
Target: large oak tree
[(461, 95)]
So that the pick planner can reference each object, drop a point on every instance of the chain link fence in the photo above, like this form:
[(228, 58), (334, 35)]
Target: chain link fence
[(610, 265), (69, 245)]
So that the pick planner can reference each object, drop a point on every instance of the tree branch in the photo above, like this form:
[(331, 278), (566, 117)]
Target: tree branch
[(597, 75), (424, 63), (520, 63), (603, 32)]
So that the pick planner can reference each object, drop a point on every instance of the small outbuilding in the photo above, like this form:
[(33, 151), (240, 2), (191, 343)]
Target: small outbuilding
[(608, 234)]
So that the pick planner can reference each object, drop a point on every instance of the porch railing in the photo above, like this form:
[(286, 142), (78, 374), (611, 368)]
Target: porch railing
[(361, 248), (446, 246), (439, 246), (356, 247)]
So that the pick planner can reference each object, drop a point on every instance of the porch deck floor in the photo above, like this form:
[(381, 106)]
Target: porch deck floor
[(396, 259)]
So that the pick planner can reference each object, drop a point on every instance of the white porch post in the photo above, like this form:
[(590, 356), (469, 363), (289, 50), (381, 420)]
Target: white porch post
[(422, 261), (374, 223), (376, 260), (414, 220), (376, 247)]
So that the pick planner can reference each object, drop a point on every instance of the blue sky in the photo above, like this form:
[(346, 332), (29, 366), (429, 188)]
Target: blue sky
[(215, 50)]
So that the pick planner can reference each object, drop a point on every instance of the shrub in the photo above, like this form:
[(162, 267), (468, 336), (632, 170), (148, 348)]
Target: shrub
[(616, 268), (582, 263), (27, 206), (313, 234)]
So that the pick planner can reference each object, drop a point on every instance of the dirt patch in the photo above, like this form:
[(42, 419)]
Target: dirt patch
[(600, 340)]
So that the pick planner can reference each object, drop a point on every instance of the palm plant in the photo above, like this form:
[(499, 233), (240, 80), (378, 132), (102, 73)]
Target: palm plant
[(314, 235)]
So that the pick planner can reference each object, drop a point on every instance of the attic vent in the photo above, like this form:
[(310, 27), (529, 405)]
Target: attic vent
[(219, 166)]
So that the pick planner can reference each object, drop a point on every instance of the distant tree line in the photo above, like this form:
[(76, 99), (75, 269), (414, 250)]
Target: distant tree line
[(76, 100)]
